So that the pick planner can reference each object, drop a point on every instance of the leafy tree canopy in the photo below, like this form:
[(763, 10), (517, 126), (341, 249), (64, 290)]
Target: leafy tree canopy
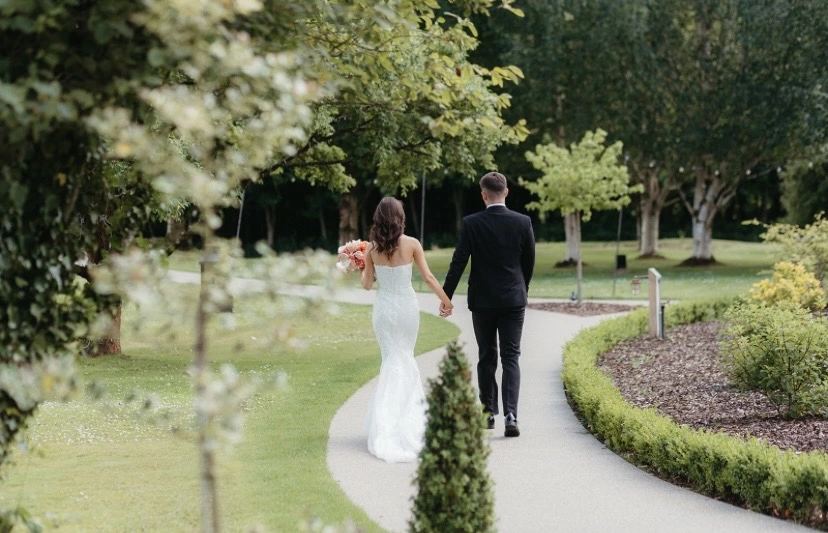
[(584, 178)]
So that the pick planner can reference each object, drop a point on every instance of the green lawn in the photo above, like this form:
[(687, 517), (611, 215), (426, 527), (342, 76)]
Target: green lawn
[(101, 466), (741, 265)]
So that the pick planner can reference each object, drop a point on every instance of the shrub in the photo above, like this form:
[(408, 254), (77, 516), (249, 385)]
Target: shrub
[(791, 282), (454, 490), (807, 245), (779, 351)]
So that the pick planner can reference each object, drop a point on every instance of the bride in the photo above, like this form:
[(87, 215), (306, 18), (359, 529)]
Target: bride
[(397, 413)]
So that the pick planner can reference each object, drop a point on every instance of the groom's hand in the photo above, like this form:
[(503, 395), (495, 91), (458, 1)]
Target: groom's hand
[(445, 310)]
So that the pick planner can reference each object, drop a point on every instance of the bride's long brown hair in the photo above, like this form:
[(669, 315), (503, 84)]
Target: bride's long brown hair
[(389, 223)]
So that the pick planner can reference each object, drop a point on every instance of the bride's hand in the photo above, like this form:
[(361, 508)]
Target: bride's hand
[(445, 309)]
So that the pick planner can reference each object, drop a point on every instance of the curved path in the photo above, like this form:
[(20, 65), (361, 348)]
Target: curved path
[(555, 476)]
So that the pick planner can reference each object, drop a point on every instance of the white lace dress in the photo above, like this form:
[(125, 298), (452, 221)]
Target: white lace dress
[(396, 415)]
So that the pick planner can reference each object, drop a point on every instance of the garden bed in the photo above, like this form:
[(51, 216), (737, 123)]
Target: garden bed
[(582, 309), (682, 377)]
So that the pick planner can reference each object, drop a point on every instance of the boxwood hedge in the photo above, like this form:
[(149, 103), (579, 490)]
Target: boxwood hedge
[(748, 472)]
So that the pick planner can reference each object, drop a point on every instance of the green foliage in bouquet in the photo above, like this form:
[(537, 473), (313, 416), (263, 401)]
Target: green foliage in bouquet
[(791, 283), (780, 352), (454, 491)]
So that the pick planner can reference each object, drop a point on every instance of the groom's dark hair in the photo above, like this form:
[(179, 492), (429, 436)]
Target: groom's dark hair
[(493, 182)]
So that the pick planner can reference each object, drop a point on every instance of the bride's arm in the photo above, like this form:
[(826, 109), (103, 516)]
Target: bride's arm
[(428, 277), (368, 275)]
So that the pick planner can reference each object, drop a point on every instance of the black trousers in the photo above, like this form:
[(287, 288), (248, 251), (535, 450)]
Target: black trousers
[(505, 324)]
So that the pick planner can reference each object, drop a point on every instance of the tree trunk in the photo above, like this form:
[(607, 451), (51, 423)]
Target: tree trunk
[(323, 230), (649, 222), (572, 228), (111, 345), (704, 211), (636, 209), (209, 497), (415, 215), (175, 229), (703, 239), (270, 223), (177, 234), (709, 196), (348, 217), (459, 206), (364, 223), (650, 205)]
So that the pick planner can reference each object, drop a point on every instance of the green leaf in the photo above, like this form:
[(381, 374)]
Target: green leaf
[(156, 57)]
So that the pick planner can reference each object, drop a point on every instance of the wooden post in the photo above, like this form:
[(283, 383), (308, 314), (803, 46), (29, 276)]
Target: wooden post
[(656, 320)]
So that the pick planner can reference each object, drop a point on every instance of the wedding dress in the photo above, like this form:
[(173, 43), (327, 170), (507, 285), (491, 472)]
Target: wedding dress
[(396, 415)]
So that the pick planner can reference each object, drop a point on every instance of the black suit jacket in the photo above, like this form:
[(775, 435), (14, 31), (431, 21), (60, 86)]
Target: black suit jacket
[(501, 245)]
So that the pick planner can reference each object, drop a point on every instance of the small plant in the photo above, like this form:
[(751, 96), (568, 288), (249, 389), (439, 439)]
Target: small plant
[(791, 283), (779, 351), (454, 490), (807, 245)]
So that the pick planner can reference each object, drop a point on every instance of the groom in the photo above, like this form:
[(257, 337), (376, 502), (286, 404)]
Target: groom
[(501, 245)]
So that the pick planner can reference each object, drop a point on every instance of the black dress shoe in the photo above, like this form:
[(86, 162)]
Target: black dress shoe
[(511, 426), (490, 422)]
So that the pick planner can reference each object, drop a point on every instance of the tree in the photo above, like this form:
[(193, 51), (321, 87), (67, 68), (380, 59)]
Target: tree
[(68, 58), (805, 188), (235, 102), (413, 104), (640, 110), (747, 85), (585, 178), (454, 492), (588, 64), (190, 101), (703, 94)]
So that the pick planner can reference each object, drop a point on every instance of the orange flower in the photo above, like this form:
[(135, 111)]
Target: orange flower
[(351, 256)]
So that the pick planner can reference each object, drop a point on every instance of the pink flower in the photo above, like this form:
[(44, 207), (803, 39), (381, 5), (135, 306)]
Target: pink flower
[(351, 256)]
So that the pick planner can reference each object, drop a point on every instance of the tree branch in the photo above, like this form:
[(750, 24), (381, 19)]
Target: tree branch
[(321, 163), (313, 140), (684, 200)]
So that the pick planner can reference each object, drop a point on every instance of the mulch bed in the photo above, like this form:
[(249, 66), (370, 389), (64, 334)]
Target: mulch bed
[(681, 376), (584, 309)]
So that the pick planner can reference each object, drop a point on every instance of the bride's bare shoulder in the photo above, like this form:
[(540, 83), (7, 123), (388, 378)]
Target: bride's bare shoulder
[(408, 242), (408, 247)]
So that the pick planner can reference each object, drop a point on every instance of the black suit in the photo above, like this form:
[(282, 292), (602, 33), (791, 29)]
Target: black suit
[(501, 245)]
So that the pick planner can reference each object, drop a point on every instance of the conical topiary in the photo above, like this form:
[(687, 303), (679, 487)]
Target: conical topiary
[(454, 492)]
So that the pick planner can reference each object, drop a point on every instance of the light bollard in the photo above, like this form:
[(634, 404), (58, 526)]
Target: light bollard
[(656, 307)]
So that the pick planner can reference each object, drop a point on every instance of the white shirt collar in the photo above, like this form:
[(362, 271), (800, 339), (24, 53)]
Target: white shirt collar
[(493, 205)]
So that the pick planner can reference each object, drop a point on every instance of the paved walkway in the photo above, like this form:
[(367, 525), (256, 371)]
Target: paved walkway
[(555, 477)]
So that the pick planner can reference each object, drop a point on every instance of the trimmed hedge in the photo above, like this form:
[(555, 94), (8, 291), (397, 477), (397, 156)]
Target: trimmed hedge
[(749, 472)]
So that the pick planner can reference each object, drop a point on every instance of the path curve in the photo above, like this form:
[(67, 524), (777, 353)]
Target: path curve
[(555, 477)]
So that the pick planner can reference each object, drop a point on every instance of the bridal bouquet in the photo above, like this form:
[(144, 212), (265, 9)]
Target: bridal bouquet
[(351, 256)]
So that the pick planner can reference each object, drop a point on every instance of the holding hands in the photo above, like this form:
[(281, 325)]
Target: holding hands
[(446, 308)]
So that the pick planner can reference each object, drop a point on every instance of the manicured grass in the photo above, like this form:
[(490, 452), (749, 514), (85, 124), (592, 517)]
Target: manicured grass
[(741, 265), (106, 467)]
